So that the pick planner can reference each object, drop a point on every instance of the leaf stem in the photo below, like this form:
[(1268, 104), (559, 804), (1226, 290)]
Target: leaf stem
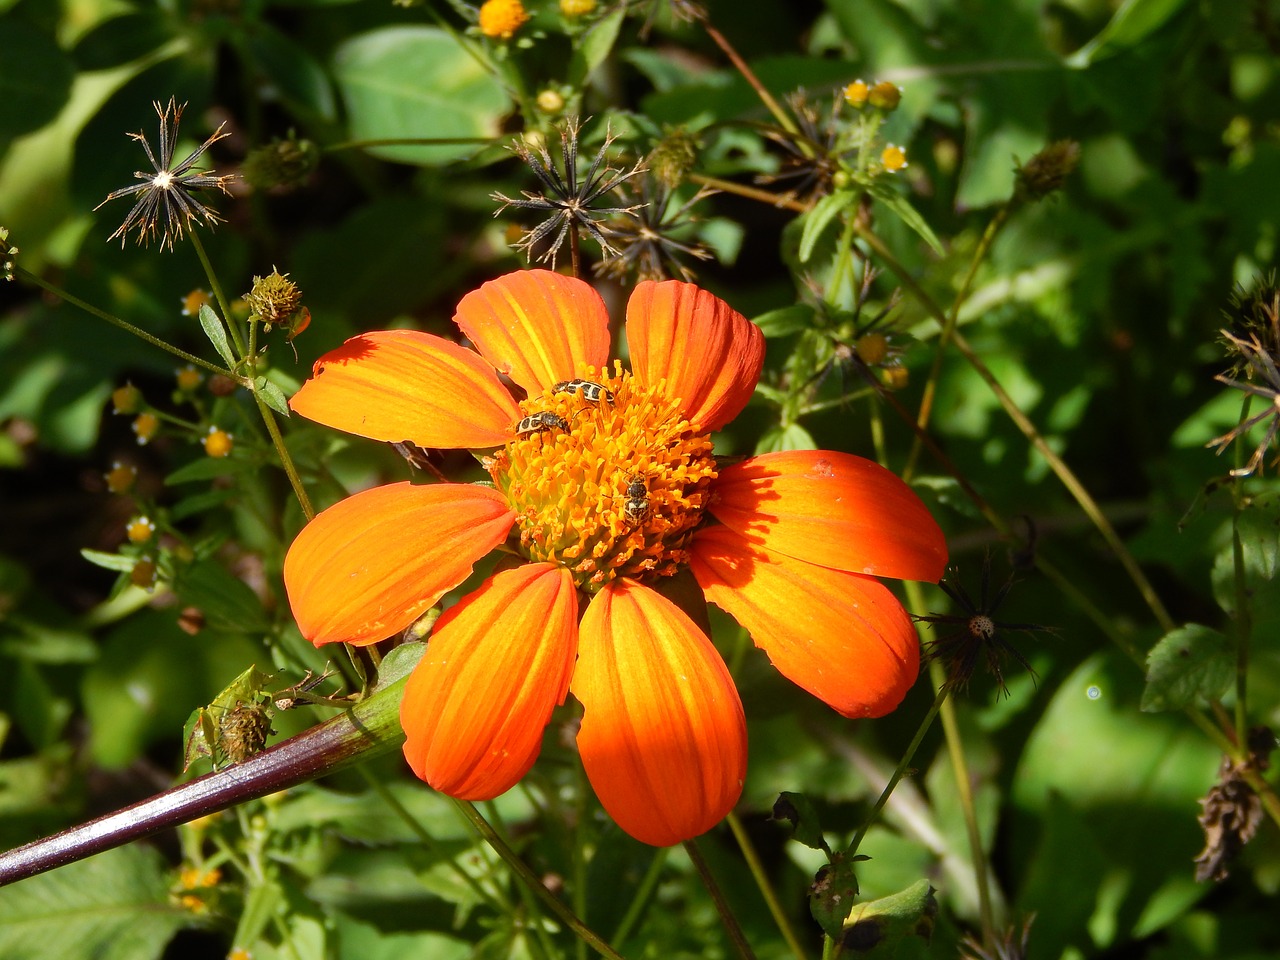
[(762, 883), (731, 925)]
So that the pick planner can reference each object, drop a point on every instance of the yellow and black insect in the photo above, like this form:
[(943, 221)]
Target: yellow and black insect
[(536, 423), (637, 508), (594, 392)]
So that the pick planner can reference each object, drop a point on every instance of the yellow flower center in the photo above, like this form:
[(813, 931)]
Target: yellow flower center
[(607, 478), (502, 18)]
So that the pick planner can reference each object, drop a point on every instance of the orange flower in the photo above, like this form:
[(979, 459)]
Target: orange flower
[(605, 484)]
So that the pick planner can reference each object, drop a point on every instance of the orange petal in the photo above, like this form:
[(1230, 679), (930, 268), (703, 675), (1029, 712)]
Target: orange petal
[(709, 354), (832, 509), (843, 637), (372, 564), (404, 385), (663, 739), (496, 665), (537, 327)]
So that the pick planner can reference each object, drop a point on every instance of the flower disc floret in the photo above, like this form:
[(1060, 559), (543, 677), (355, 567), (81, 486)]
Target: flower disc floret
[(617, 493)]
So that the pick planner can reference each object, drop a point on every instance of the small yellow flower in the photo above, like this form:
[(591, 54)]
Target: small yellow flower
[(872, 348), (194, 300), (502, 18), (218, 443), (121, 477), (189, 378), (140, 529), (550, 101), (895, 378), (885, 95), (577, 8), (239, 953), (145, 427), (894, 158), (855, 94), (126, 399)]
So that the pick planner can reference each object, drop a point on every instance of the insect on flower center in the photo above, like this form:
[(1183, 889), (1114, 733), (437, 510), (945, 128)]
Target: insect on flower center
[(607, 478)]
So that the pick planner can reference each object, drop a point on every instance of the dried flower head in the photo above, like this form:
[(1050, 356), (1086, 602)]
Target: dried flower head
[(283, 164), (165, 206), (811, 153), (1013, 945), (569, 202), (646, 240), (1253, 311), (274, 298), (1047, 170), (975, 633), (1259, 362), (1231, 812)]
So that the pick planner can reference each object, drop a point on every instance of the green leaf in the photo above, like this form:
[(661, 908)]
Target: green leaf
[(272, 395), (414, 81), (834, 892), (1259, 528), (878, 928), (1190, 665), (785, 320), (114, 906), (906, 213), (38, 641), (35, 78), (796, 809), (208, 468), (109, 561), (227, 602), (1131, 24), (120, 40), (217, 334), (791, 437), (594, 47), (817, 219)]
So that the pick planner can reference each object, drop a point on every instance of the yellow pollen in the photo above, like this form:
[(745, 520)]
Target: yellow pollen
[(616, 493)]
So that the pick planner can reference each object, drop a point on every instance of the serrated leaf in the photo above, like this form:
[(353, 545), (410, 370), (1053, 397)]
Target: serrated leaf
[(1186, 666), (817, 219), (908, 214), (796, 809), (273, 395), (877, 929), (114, 906), (217, 334)]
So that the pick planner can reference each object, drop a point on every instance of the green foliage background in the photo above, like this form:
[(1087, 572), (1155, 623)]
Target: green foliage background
[(1097, 310)]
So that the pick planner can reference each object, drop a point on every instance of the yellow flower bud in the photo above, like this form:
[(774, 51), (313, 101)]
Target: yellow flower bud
[(885, 96), (855, 94), (189, 378), (140, 530), (550, 101), (218, 443), (126, 399), (502, 18), (143, 573), (121, 477), (577, 8), (894, 158), (145, 427), (194, 300)]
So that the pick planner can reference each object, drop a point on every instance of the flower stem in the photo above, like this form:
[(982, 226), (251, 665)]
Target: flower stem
[(223, 304), (530, 879), (721, 41), (762, 883), (904, 764), (964, 790), (731, 925), (644, 892), (125, 325)]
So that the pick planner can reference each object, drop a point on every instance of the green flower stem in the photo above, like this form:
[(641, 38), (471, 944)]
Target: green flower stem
[(904, 764), (1243, 618), (641, 898), (530, 880), (223, 303), (1065, 476), (126, 326), (783, 118), (368, 729), (844, 256), (731, 925), (407, 142), (765, 887), (286, 461), (750, 193), (964, 790), (948, 328)]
